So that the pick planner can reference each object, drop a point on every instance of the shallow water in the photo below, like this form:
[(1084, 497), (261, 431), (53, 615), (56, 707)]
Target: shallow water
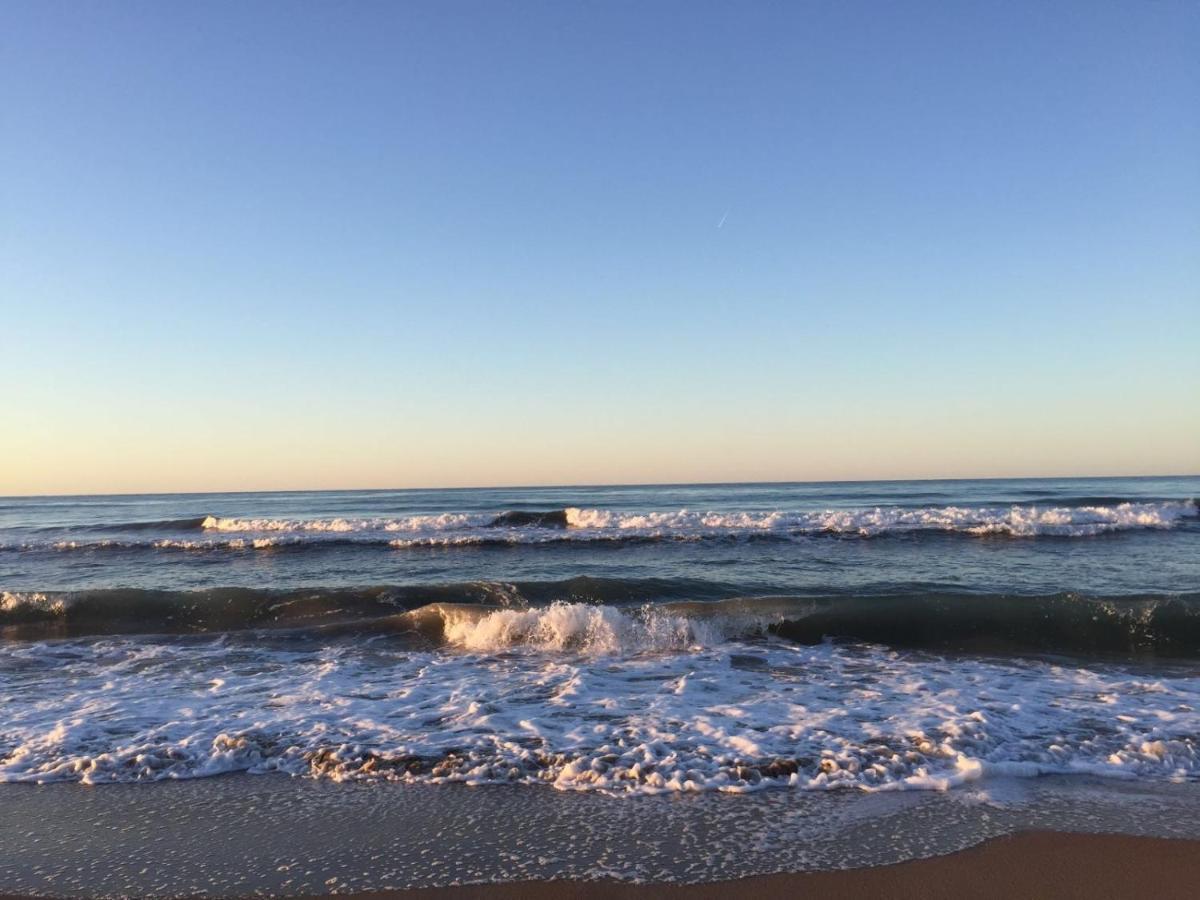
[(239, 835)]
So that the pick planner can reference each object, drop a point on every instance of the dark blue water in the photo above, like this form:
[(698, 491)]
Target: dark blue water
[(1133, 540), (1101, 536)]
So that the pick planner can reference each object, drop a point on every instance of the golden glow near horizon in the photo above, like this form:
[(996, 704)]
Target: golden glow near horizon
[(211, 456)]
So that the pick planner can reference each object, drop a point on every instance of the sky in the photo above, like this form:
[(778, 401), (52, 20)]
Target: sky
[(251, 246)]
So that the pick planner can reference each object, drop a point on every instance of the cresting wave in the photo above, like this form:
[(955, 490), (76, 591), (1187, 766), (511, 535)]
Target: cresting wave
[(1061, 623), (610, 616), (574, 525), (1016, 520), (35, 614), (442, 522)]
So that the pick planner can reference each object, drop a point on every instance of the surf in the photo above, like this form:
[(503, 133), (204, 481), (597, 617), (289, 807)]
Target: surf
[(627, 616)]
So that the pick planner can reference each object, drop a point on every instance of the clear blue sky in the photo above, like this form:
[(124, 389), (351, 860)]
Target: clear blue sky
[(270, 245)]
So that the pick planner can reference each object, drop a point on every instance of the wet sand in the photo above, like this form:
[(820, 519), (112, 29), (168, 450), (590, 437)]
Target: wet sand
[(1031, 864), (242, 836)]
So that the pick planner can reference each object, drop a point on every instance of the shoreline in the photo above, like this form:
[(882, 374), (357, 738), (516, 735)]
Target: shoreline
[(1025, 864), (244, 835)]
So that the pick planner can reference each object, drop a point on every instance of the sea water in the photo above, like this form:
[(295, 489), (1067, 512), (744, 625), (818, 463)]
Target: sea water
[(621, 641)]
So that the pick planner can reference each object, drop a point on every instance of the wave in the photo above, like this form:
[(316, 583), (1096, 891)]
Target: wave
[(191, 523), (555, 518), (32, 614), (615, 616), (1015, 520), (592, 697), (576, 525), (440, 522), (584, 524), (1042, 499), (1058, 623), (302, 543)]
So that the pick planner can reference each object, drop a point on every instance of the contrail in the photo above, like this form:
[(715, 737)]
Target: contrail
[(723, 218)]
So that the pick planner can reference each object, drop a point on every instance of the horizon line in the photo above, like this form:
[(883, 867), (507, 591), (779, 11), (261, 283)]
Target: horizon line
[(581, 486)]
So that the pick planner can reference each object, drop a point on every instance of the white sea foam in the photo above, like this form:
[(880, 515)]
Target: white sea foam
[(582, 698), (258, 543), (1021, 521), (600, 524), (574, 626), (442, 522), (687, 525), (30, 601)]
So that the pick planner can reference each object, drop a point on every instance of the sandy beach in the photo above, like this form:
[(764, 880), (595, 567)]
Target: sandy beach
[(1031, 864), (241, 836)]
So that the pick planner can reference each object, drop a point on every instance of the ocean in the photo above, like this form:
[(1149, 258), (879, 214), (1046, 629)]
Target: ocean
[(622, 641)]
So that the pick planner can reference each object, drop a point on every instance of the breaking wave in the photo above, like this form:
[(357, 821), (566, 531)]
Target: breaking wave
[(1059, 623), (1015, 520), (614, 616), (441, 522), (571, 524), (584, 698)]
